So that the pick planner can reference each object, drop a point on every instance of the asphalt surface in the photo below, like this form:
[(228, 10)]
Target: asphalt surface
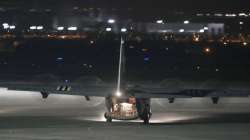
[(25, 116)]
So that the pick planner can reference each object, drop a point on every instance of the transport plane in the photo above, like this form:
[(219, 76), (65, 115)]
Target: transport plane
[(124, 101)]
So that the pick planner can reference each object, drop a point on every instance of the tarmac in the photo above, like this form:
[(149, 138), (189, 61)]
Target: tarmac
[(26, 116)]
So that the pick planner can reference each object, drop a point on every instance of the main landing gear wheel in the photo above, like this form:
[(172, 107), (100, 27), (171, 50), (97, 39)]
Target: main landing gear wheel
[(108, 118), (146, 117)]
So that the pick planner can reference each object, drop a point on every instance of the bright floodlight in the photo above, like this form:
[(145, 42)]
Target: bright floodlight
[(111, 21), (118, 93), (72, 28), (12, 27), (205, 28), (60, 28), (181, 30), (159, 21), (39, 27), (32, 27), (241, 22), (186, 22), (108, 29), (123, 30)]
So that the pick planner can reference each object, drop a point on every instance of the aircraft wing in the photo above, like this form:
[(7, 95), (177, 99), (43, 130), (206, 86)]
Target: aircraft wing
[(99, 90), (103, 90), (150, 92)]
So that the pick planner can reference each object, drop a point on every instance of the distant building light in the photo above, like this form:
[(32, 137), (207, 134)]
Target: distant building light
[(241, 22), (5, 25), (244, 43), (186, 22), (198, 67), (12, 27), (47, 10), (199, 15), (32, 27), (123, 30), (144, 49), (59, 58), (243, 15), (72, 28), (108, 29), (60, 28), (111, 21), (205, 28), (164, 31), (208, 14), (196, 39), (159, 21), (217, 70), (230, 15), (181, 30), (218, 15), (207, 50), (39, 27), (146, 58), (202, 31)]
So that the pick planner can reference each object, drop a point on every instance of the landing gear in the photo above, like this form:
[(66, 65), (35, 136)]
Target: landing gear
[(215, 100), (171, 100), (146, 115), (44, 94), (146, 118), (108, 118)]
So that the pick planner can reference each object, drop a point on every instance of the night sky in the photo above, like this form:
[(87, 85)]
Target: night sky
[(140, 4)]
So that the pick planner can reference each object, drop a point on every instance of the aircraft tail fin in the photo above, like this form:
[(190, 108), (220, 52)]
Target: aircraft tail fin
[(121, 67)]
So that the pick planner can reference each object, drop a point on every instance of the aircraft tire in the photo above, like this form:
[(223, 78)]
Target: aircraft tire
[(109, 120)]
